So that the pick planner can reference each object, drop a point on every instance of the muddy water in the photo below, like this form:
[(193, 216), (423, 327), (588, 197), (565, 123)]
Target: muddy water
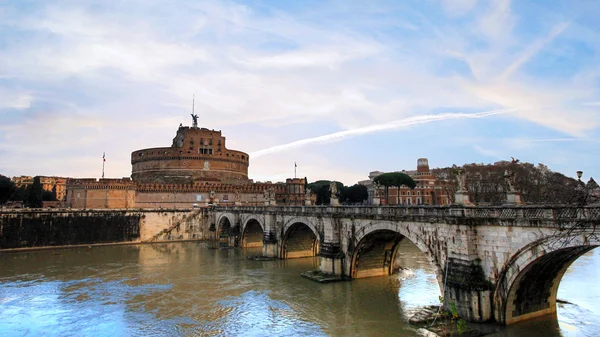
[(187, 289)]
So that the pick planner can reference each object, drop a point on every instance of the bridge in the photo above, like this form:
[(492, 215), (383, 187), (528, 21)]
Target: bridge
[(500, 264)]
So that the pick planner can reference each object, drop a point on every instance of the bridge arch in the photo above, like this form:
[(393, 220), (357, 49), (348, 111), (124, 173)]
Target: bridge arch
[(300, 238), (225, 222), (376, 247), (529, 282), (252, 233)]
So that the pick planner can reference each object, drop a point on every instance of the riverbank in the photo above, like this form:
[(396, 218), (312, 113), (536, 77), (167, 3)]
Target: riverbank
[(40, 228), (92, 245)]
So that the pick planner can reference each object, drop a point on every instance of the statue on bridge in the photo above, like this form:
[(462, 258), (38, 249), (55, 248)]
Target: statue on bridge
[(307, 197), (333, 188), (333, 201), (376, 190), (237, 200), (269, 196), (461, 178), (509, 179)]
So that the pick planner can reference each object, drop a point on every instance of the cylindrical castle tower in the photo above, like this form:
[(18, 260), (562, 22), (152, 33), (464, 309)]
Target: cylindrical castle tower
[(196, 155)]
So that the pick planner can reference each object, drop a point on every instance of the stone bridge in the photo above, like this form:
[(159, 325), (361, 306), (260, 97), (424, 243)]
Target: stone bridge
[(500, 264)]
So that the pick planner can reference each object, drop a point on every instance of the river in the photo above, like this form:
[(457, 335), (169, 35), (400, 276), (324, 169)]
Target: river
[(188, 289)]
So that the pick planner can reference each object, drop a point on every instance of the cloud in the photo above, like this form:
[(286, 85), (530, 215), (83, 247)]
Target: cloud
[(15, 99), (339, 136), (534, 48)]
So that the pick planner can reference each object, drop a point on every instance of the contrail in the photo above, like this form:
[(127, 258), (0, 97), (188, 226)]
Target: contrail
[(414, 120)]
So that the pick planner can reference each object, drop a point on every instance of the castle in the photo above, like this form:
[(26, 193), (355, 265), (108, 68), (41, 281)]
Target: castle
[(196, 170)]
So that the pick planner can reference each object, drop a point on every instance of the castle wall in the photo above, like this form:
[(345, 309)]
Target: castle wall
[(98, 194)]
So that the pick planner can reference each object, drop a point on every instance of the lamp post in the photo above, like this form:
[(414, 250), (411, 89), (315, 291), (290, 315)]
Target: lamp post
[(581, 188)]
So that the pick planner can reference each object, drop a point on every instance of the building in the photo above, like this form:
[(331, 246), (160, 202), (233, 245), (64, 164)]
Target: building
[(429, 190), (197, 155), (48, 184), (196, 170)]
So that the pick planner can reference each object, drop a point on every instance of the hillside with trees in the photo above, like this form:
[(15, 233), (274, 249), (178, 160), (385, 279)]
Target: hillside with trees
[(537, 184)]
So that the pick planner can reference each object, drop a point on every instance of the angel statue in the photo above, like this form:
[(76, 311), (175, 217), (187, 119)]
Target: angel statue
[(459, 173), (333, 188), (509, 178), (195, 120)]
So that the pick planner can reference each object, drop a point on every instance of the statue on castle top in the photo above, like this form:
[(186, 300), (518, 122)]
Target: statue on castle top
[(459, 173), (195, 120)]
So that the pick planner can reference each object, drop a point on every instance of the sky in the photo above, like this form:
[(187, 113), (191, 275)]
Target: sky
[(340, 88)]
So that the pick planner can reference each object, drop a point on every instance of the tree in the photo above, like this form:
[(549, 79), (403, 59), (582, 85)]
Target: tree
[(7, 189), (54, 194), (321, 189), (394, 179), (48, 196), (536, 184), (19, 194), (354, 194), (34, 194)]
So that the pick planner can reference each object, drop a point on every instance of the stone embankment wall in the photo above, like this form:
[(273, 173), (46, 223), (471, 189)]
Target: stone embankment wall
[(47, 228)]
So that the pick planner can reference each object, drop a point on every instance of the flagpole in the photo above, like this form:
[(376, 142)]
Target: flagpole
[(295, 165), (103, 161)]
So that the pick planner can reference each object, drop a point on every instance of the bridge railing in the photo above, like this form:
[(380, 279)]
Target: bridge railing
[(550, 212)]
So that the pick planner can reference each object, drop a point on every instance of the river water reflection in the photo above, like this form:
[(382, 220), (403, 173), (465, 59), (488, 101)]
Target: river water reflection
[(187, 289)]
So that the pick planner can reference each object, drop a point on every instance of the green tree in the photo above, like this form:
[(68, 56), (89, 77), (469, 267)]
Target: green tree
[(7, 189), (354, 194), (19, 193), (394, 179), (321, 189), (34, 194), (48, 196)]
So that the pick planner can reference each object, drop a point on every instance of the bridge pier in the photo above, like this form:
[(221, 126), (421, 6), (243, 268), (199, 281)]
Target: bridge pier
[(271, 239), (468, 289), (330, 250), (270, 247), (332, 262)]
